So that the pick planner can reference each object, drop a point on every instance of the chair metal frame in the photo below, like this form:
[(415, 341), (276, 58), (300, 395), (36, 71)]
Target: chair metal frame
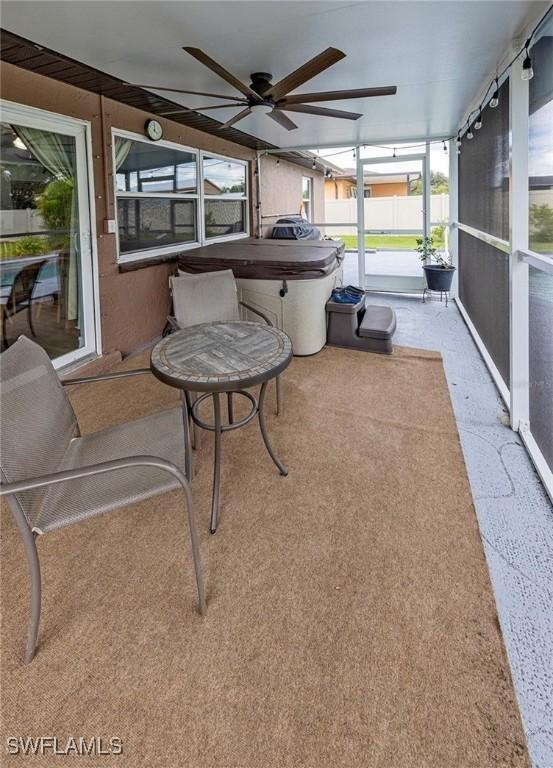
[(24, 300), (29, 535)]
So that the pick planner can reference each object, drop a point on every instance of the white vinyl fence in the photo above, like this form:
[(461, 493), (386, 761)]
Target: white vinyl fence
[(25, 221), (383, 213)]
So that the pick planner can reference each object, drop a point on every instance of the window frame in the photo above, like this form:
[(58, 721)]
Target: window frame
[(308, 200), (199, 196), (244, 198)]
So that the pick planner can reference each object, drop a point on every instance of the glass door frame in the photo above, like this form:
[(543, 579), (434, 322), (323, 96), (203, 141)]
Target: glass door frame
[(80, 130), (391, 283)]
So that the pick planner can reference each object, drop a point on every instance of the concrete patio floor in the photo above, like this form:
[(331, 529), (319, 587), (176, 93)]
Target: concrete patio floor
[(513, 509), (386, 262)]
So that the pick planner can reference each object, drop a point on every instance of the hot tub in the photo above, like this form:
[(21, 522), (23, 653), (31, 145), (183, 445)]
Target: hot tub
[(289, 280)]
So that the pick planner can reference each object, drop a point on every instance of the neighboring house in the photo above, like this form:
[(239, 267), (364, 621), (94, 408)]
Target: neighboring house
[(541, 183), (343, 186)]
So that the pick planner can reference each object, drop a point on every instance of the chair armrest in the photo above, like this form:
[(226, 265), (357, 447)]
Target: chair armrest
[(111, 466), (255, 311), (66, 475), (106, 377)]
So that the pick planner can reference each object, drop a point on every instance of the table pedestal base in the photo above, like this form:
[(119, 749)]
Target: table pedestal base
[(190, 412)]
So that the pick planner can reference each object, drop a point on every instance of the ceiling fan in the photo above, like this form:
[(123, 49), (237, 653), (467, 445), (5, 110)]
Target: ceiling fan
[(276, 100)]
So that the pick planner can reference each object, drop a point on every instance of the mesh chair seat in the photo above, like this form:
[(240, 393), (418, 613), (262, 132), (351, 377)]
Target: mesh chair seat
[(159, 434)]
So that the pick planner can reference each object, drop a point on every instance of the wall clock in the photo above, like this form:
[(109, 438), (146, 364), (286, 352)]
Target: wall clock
[(153, 129)]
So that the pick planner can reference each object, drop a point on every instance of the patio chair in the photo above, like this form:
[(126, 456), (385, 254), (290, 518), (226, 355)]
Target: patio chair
[(54, 477), (20, 296), (210, 297)]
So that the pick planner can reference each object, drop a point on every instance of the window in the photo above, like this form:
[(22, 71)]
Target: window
[(157, 196), (225, 195), (307, 184), (170, 197)]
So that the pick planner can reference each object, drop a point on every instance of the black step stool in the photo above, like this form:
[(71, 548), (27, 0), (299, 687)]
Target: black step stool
[(360, 326)]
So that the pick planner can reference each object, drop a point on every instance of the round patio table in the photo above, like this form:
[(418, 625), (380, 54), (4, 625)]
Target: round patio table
[(216, 358)]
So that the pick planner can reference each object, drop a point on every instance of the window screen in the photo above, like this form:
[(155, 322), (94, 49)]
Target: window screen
[(484, 292), (541, 361), (224, 217), (540, 144), (152, 222), (484, 172), (540, 182)]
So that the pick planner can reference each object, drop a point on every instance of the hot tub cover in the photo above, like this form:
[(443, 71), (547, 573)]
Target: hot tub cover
[(266, 259), (295, 228)]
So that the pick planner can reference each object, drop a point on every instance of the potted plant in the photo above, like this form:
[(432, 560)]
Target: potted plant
[(437, 267)]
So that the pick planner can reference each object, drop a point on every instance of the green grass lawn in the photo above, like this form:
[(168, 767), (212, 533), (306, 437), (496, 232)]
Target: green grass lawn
[(408, 243), (394, 242), (546, 248), (7, 250)]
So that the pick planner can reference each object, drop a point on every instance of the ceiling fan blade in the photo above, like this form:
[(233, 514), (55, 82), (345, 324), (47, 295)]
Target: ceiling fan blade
[(199, 109), (311, 68), (357, 93), (243, 113), (323, 111), (178, 90), (208, 62), (282, 119)]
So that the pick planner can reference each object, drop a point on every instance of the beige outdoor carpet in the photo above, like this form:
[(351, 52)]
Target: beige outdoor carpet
[(350, 622)]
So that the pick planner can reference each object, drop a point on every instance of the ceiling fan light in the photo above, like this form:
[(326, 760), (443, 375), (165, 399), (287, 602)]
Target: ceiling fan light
[(494, 101), (261, 109)]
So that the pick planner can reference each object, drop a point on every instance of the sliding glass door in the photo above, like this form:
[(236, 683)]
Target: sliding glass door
[(45, 243)]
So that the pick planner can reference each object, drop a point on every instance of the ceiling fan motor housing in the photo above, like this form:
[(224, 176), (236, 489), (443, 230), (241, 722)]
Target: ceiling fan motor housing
[(261, 82)]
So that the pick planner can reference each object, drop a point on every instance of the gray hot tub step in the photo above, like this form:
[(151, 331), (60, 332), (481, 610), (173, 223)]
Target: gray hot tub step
[(378, 322), (359, 326)]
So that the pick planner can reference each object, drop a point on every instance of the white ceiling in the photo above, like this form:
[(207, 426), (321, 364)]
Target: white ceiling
[(437, 53)]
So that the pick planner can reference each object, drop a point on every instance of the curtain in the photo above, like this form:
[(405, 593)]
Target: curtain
[(122, 149), (51, 150)]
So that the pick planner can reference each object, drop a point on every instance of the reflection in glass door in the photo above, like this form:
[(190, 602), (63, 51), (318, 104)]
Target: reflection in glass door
[(391, 219), (45, 255)]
